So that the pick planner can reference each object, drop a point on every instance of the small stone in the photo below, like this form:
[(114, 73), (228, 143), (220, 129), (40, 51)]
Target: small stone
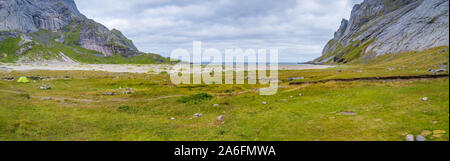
[(300, 94), (409, 137), (291, 97), (216, 105), (264, 103), (221, 118), (348, 113), (197, 115), (425, 99), (127, 92), (109, 93), (426, 133), (420, 138), (45, 88), (46, 98), (172, 118)]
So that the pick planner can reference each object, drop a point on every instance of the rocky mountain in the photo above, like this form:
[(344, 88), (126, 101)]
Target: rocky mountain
[(55, 28), (378, 27)]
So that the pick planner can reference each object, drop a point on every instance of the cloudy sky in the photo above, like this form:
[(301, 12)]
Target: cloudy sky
[(298, 28)]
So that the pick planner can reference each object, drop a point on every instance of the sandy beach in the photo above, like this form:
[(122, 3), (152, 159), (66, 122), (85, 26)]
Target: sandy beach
[(147, 68)]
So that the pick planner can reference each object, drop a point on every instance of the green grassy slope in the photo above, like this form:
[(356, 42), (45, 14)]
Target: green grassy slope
[(46, 48), (8, 48)]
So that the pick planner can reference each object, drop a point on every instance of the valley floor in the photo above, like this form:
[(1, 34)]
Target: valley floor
[(130, 68), (78, 109), (98, 105)]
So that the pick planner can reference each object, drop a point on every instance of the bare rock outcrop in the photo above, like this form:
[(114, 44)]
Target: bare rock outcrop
[(62, 18), (378, 27)]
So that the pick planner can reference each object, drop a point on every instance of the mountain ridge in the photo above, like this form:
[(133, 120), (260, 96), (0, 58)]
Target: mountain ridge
[(51, 23), (378, 27)]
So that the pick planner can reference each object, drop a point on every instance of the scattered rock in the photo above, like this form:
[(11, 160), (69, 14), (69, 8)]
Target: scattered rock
[(216, 105), (128, 92), (172, 118), (46, 98), (300, 94), (221, 118), (264, 103), (420, 138), (296, 78), (348, 113), (8, 78), (437, 70), (291, 97), (425, 99), (409, 137), (110, 93), (198, 115), (45, 88)]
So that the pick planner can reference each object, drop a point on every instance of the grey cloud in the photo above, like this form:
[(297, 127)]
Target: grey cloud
[(299, 28)]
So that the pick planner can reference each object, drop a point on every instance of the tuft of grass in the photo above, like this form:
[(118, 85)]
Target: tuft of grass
[(126, 109), (25, 95), (195, 99)]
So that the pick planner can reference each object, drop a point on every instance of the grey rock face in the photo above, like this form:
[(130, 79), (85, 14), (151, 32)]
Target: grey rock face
[(393, 26), (95, 36), (62, 17), (32, 15)]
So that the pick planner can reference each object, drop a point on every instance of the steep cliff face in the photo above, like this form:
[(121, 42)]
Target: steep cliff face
[(65, 23), (32, 15), (378, 27)]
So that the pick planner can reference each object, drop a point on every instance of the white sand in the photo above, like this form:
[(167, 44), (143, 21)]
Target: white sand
[(124, 67)]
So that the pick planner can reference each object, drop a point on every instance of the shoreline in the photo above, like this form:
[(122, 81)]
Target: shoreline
[(127, 68)]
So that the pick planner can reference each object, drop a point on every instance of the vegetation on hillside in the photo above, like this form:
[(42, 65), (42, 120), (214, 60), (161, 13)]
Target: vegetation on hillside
[(46, 48)]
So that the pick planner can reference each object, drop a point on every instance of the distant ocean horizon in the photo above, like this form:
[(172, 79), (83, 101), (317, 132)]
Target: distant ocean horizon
[(279, 63)]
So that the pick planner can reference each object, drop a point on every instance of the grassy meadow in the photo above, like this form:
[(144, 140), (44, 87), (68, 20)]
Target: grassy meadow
[(158, 110)]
